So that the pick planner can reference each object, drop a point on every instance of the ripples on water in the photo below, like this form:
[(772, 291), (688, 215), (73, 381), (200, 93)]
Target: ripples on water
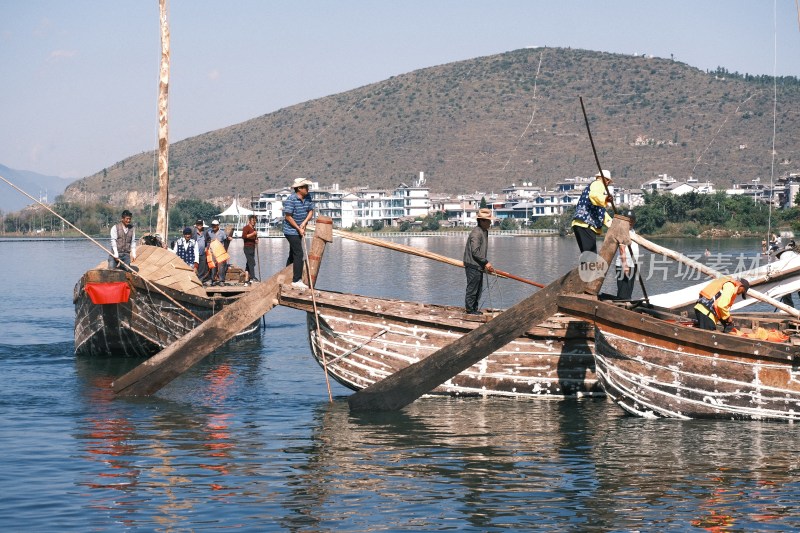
[(247, 440)]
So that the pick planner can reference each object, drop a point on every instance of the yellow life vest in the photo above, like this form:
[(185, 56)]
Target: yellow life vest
[(216, 253), (711, 292)]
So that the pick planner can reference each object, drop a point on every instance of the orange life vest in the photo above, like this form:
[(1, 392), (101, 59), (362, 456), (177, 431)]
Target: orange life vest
[(712, 291), (216, 253)]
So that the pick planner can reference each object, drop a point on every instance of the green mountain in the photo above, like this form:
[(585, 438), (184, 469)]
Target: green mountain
[(484, 123)]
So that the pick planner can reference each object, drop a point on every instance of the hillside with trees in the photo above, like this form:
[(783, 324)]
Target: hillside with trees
[(485, 123)]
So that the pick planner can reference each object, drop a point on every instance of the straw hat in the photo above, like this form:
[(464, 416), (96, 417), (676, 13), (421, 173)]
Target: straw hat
[(299, 182), (606, 174), (485, 214), (215, 222)]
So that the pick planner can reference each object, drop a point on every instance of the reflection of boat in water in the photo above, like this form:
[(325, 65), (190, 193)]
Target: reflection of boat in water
[(656, 364)]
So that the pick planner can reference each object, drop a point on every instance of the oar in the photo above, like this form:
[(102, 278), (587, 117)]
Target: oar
[(423, 253), (316, 318), (106, 250), (653, 247)]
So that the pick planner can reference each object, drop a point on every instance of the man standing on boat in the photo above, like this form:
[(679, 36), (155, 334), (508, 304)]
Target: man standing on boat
[(216, 253), (716, 299), (590, 213), (186, 249), (199, 236), (475, 262), (123, 242), (250, 239), (298, 209)]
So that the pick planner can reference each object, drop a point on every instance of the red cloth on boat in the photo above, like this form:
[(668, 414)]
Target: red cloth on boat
[(115, 292)]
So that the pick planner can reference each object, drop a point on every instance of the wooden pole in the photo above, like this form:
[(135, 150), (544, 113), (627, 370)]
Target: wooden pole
[(655, 248), (172, 361), (162, 221), (311, 282), (423, 253), (408, 384)]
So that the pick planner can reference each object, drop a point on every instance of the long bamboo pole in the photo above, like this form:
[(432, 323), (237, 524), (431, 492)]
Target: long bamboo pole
[(691, 263), (162, 221), (423, 253)]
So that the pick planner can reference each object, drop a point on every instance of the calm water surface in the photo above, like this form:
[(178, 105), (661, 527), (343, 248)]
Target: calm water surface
[(248, 441)]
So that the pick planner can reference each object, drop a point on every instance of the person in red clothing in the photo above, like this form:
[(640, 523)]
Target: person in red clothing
[(250, 238)]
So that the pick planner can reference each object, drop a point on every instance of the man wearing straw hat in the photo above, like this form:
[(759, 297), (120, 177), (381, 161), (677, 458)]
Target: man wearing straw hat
[(590, 213), (475, 262), (298, 209)]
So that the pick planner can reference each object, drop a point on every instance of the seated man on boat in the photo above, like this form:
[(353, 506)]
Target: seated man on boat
[(475, 262), (716, 299), (186, 249), (123, 242), (590, 212)]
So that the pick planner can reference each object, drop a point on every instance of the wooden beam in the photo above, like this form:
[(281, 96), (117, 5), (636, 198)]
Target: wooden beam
[(172, 361), (408, 384)]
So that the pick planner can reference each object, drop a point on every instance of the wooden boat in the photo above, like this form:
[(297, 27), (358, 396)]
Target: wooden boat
[(365, 339), (137, 314), (119, 313), (656, 364)]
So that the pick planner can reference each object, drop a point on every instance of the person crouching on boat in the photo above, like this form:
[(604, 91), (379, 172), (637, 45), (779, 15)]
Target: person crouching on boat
[(475, 261), (186, 249), (298, 209), (716, 299), (123, 242), (216, 253), (590, 212)]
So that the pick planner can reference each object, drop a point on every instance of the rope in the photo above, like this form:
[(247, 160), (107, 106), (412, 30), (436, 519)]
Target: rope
[(316, 319)]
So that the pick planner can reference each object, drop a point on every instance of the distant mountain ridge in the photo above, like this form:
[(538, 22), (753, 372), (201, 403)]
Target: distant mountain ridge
[(485, 123), (37, 185)]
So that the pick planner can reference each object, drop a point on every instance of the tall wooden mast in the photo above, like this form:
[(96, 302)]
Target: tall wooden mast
[(162, 223)]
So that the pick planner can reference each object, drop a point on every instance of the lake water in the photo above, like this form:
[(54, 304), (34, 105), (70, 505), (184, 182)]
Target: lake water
[(248, 441)]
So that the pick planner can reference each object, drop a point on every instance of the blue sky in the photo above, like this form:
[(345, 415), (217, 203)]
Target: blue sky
[(79, 77)]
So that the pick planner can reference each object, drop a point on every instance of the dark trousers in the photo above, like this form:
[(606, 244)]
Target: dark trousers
[(250, 257), (625, 284), (474, 288), (202, 267), (123, 258), (295, 256), (586, 237), (220, 271), (704, 322)]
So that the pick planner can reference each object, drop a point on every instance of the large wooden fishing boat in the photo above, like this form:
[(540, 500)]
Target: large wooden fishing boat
[(136, 312), (363, 340), (656, 364), (125, 314)]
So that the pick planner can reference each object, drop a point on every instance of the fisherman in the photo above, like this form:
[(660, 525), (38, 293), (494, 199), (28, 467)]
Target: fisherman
[(627, 267), (123, 242), (716, 299), (298, 209), (199, 236), (216, 253), (590, 212), (186, 249), (475, 261), (250, 240)]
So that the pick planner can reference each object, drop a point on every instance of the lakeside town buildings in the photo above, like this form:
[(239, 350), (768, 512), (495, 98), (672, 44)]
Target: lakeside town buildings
[(524, 203)]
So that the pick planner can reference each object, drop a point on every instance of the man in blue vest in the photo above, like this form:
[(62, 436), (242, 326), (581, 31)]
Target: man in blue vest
[(590, 213), (186, 249)]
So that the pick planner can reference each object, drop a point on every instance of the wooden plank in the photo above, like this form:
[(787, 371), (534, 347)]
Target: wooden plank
[(408, 384), (171, 362)]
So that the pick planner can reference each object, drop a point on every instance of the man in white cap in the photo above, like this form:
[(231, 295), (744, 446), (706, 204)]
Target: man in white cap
[(590, 213), (475, 262), (218, 256), (298, 209)]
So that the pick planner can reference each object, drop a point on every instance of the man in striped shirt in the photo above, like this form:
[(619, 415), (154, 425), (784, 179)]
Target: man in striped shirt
[(298, 209)]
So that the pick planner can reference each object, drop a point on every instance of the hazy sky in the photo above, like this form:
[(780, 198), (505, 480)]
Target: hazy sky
[(78, 78)]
